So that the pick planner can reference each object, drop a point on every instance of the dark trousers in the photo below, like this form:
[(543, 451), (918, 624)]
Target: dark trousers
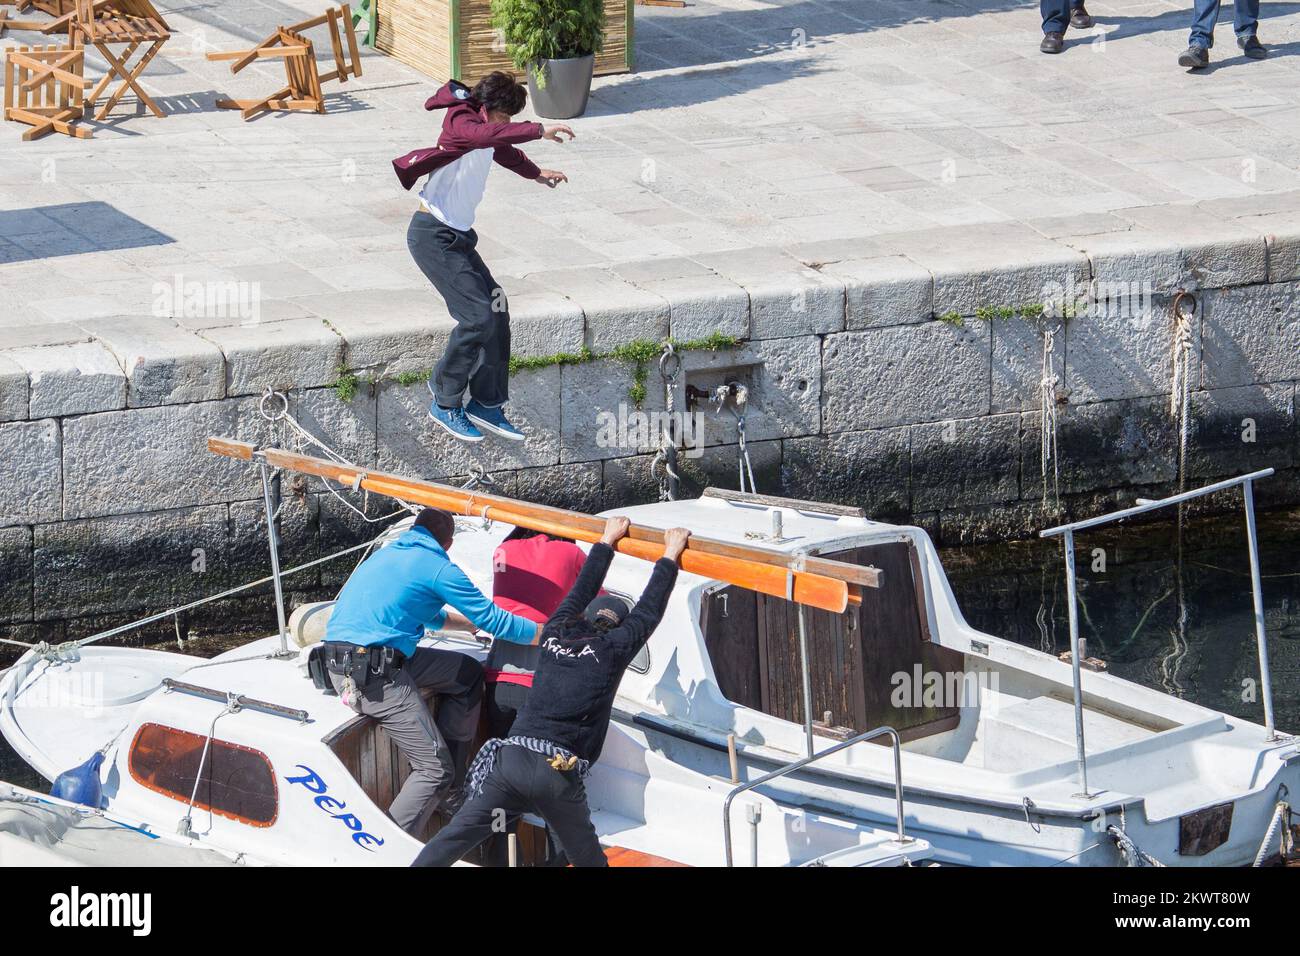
[(503, 702), (1205, 15), (521, 781), (1056, 15), (478, 352), (438, 750)]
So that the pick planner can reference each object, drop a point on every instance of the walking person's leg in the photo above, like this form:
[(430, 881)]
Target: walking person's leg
[(1080, 19), (1056, 19), (1245, 19), (1205, 15), (1245, 24)]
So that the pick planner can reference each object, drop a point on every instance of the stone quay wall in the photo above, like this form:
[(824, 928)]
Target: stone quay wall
[(901, 374)]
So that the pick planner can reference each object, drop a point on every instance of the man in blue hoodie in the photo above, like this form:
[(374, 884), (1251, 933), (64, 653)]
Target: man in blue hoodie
[(378, 670)]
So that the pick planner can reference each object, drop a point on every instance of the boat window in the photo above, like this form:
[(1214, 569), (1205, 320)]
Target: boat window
[(641, 663), (238, 782)]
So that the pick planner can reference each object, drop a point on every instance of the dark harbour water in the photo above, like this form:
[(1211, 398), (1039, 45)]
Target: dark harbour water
[(1170, 614), (1169, 611)]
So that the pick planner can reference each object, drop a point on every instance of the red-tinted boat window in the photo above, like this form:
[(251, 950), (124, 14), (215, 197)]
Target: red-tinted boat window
[(237, 783)]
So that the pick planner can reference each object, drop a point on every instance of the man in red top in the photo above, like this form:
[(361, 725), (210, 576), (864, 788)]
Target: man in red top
[(532, 574)]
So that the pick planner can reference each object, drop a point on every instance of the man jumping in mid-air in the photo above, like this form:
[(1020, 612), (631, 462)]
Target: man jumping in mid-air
[(476, 131)]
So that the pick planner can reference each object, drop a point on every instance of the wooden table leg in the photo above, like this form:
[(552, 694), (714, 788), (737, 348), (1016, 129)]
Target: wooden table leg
[(129, 78)]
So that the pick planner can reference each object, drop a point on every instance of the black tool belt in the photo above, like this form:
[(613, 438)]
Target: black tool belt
[(365, 665)]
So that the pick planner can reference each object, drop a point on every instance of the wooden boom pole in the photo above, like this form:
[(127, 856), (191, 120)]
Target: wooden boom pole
[(818, 582)]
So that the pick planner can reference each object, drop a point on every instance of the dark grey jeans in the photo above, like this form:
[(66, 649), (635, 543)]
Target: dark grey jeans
[(478, 353), (521, 781), (438, 750)]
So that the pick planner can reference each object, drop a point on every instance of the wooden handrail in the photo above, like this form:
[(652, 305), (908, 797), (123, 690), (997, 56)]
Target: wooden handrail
[(818, 582)]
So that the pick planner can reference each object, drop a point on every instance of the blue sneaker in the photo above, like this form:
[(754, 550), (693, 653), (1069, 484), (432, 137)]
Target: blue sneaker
[(454, 423), (492, 420)]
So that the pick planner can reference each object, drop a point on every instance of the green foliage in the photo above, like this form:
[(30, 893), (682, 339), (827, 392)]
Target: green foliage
[(952, 318), (637, 391), (549, 29), (638, 353), (1004, 313), (713, 342), (410, 378), (345, 386), (525, 364)]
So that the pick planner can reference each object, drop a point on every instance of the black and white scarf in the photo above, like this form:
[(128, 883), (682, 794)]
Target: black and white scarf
[(486, 760)]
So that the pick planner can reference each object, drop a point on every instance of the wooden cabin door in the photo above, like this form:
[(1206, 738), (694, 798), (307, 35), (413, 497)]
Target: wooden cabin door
[(753, 643)]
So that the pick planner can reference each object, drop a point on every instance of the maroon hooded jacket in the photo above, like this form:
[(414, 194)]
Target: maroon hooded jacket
[(465, 128)]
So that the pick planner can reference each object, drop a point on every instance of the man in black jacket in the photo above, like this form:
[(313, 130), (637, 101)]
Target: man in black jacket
[(558, 735)]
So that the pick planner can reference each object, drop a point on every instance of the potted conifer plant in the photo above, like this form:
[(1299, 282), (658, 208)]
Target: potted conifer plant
[(555, 42)]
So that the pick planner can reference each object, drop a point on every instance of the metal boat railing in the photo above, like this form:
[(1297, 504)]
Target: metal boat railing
[(802, 762), (1066, 531)]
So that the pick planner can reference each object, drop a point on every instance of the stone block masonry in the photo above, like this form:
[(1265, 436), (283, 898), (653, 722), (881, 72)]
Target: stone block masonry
[(903, 375)]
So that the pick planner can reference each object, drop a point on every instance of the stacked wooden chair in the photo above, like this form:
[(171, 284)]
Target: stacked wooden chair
[(55, 8), (133, 26), (6, 23), (45, 88), (303, 78)]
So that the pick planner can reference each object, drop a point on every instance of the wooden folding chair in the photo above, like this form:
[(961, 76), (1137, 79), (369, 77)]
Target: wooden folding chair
[(62, 10), (134, 24), (44, 88), (302, 74), (9, 24)]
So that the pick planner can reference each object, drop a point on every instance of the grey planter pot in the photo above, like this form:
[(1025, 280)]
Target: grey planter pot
[(568, 85)]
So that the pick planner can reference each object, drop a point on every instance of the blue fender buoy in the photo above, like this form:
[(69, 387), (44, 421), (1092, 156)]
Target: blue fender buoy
[(81, 784)]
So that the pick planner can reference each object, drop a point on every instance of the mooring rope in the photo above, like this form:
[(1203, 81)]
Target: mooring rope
[(666, 456), (295, 437), (1181, 384), (1280, 813), (744, 469), (1047, 383), (1180, 388), (57, 652), (1132, 853)]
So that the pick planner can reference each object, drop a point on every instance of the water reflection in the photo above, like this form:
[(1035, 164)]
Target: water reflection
[(1171, 611)]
